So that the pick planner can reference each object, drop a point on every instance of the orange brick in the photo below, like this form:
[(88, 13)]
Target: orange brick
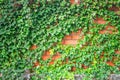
[(63, 42), (102, 31), (84, 66), (73, 68), (71, 42), (72, 1), (110, 28), (47, 52), (33, 47), (110, 63), (117, 51), (99, 21), (110, 32), (67, 37), (75, 37), (36, 64), (75, 2), (46, 55), (51, 62), (56, 56), (106, 32), (73, 33)]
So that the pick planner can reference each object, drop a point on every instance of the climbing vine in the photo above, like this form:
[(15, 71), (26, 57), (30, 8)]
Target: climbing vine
[(29, 28)]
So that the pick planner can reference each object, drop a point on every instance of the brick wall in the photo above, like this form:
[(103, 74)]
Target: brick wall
[(72, 39)]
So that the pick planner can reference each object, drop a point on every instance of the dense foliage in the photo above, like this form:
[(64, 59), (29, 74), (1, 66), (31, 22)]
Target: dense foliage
[(24, 23)]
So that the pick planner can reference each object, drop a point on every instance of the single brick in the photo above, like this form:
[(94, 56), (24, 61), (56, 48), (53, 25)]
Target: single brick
[(110, 28), (106, 32), (117, 51), (102, 32), (33, 47), (99, 21), (67, 37), (51, 62), (84, 66), (71, 42), (47, 52), (75, 2), (110, 63), (36, 64), (72, 1), (73, 68), (110, 32), (76, 37), (46, 55), (56, 56)]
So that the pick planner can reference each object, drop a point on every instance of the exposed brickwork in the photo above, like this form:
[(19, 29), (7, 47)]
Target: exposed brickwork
[(33, 47), (75, 1), (46, 55), (76, 37), (110, 63), (36, 64), (68, 37), (117, 51), (99, 21), (108, 30), (73, 68), (56, 56), (84, 66), (70, 42), (51, 62), (72, 39)]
